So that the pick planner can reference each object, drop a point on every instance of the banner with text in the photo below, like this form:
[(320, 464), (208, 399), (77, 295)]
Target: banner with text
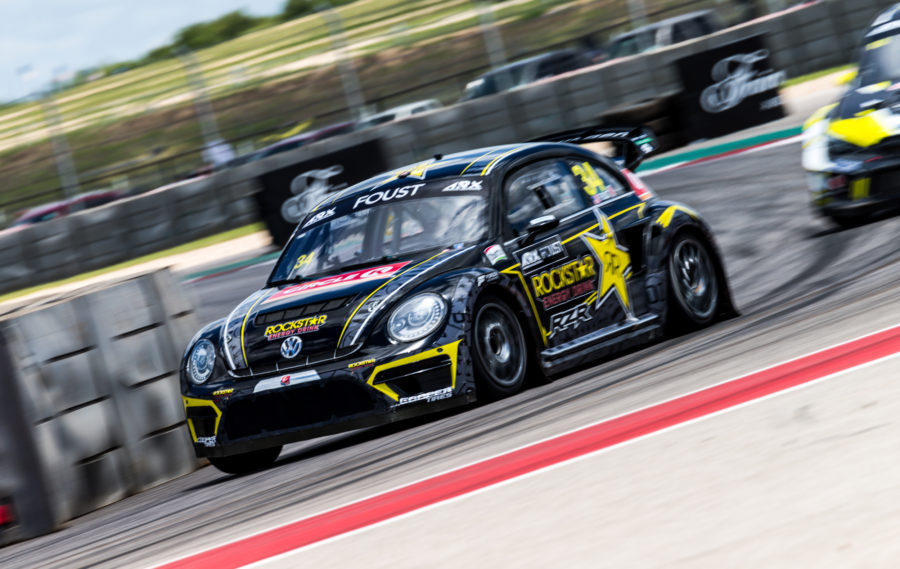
[(289, 193), (729, 88)]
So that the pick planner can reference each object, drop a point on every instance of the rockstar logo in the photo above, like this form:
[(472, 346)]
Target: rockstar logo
[(616, 263)]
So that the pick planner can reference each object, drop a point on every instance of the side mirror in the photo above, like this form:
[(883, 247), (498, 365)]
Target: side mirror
[(539, 225), (846, 77)]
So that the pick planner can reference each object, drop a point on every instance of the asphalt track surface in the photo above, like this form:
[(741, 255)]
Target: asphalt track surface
[(800, 284)]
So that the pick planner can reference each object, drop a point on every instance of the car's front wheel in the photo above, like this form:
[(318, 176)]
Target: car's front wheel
[(693, 282), (499, 349), (247, 462)]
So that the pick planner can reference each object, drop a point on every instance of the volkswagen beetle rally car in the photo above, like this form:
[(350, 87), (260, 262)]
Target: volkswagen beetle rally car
[(457, 278), (851, 148)]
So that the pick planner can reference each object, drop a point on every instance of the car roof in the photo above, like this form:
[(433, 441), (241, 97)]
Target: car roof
[(661, 23), (528, 60), (471, 163)]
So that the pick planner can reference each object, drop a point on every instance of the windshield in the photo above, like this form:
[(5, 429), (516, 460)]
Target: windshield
[(350, 235), (880, 61)]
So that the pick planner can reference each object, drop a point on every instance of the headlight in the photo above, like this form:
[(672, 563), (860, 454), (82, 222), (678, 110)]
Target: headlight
[(201, 362), (417, 317)]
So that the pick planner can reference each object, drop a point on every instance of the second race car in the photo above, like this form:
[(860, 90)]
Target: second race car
[(851, 148), (448, 280)]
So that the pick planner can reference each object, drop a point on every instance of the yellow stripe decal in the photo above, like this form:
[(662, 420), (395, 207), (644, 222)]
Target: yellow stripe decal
[(191, 402), (666, 218), (473, 162), (244, 327), (490, 165), (512, 271), (451, 349), (384, 284)]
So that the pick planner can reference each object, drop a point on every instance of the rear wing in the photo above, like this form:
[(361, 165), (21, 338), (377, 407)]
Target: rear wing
[(631, 144)]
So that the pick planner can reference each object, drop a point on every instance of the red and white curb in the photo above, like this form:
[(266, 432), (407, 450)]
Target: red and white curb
[(546, 454)]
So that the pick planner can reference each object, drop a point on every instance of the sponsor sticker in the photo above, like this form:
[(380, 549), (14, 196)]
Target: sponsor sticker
[(300, 326), (206, 441), (381, 272), (383, 196), (324, 214), (363, 363), (495, 254), (464, 186), (543, 252), (429, 397), (271, 383)]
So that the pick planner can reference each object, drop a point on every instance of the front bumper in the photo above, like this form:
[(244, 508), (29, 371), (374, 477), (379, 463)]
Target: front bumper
[(272, 409), (868, 190)]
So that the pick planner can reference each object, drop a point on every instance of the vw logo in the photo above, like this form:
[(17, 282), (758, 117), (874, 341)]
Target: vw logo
[(291, 347)]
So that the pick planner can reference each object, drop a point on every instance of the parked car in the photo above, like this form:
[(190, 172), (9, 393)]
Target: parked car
[(399, 112), (665, 32), (293, 142), (53, 210), (525, 71), (445, 281)]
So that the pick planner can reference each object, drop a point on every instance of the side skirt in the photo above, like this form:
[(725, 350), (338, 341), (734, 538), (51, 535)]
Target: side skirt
[(601, 343)]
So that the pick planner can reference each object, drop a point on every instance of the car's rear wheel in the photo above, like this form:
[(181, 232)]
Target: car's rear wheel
[(694, 284), (500, 356), (247, 462)]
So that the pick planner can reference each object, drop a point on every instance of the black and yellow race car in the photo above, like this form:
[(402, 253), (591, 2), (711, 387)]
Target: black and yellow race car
[(851, 148), (456, 278)]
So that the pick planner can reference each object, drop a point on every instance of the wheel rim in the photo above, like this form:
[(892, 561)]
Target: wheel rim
[(695, 279), (500, 345)]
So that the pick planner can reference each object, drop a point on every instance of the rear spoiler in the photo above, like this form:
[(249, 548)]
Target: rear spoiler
[(633, 144)]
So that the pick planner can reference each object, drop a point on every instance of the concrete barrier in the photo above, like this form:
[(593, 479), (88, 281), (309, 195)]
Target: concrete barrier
[(801, 40), (90, 411)]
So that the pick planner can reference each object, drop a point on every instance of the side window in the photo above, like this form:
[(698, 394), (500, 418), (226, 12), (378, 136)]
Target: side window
[(544, 188), (596, 182)]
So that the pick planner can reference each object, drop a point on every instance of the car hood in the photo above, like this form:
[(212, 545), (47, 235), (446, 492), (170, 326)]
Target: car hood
[(866, 116), (329, 316)]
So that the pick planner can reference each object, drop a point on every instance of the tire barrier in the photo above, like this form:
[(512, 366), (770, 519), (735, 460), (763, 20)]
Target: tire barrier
[(90, 410)]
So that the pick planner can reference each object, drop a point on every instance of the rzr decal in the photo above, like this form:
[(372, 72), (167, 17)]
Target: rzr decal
[(615, 261), (570, 319), (381, 272)]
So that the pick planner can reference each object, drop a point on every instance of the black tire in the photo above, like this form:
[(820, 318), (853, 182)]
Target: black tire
[(499, 350), (694, 288), (252, 461)]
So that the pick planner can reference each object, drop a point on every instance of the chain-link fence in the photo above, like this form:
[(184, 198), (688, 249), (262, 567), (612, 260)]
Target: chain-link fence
[(156, 124)]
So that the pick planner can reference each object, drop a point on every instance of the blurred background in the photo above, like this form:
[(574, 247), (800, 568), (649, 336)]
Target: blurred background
[(251, 82)]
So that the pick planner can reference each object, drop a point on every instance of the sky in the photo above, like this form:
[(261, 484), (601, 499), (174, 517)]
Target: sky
[(41, 39)]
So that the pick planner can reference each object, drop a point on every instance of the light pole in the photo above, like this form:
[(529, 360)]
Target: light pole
[(492, 40), (352, 91), (215, 150), (637, 13), (65, 165)]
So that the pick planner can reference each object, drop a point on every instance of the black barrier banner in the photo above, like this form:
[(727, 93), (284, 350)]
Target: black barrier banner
[(729, 88), (292, 191)]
